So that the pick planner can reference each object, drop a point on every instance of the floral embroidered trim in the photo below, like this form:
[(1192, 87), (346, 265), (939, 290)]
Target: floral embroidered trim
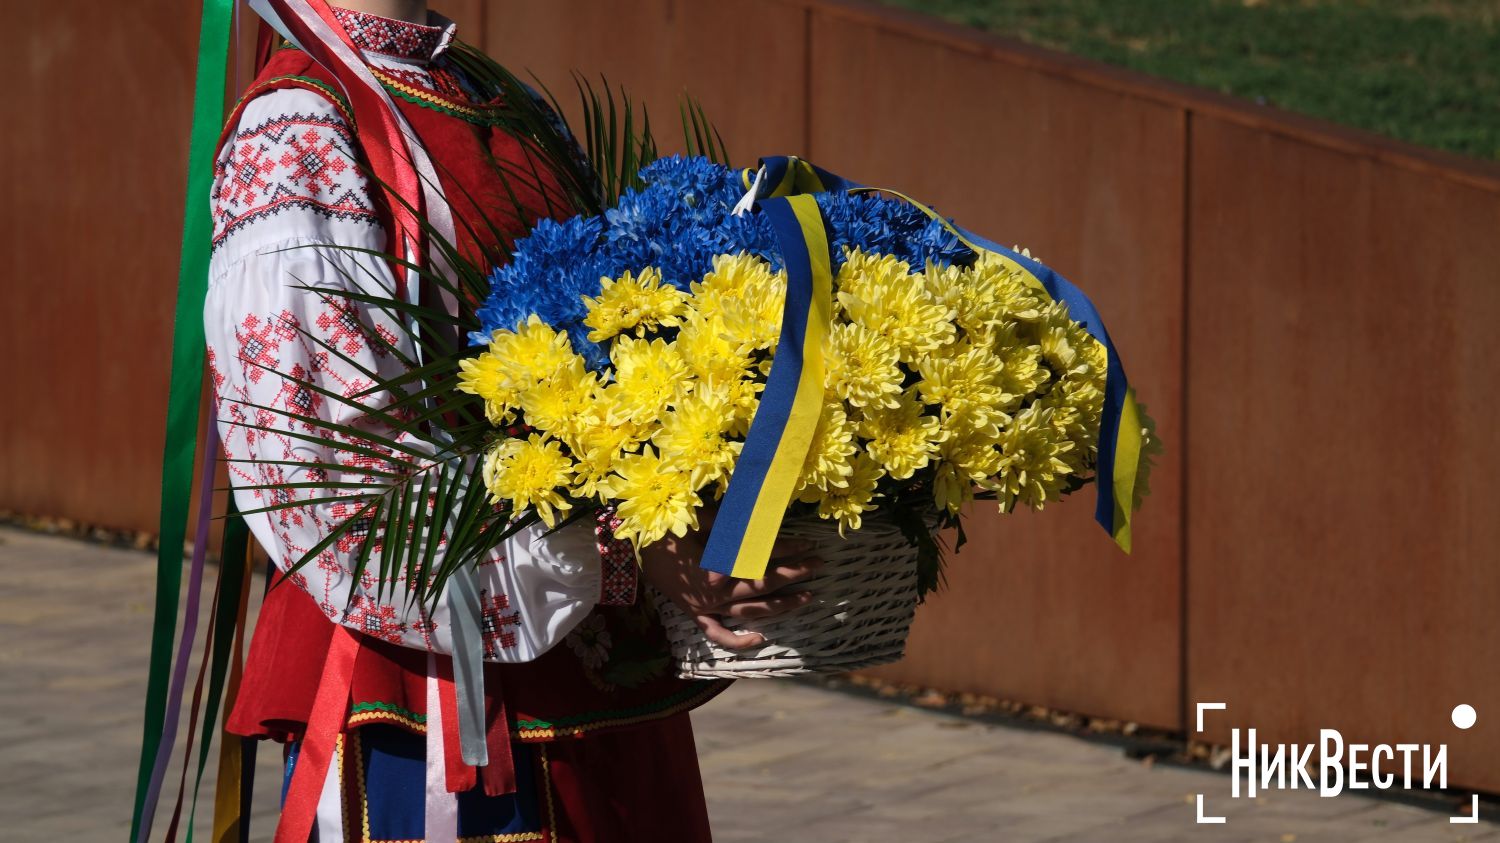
[(617, 558), (389, 37), (388, 718), (365, 713), (308, 83), (478, 115), (291, 161)]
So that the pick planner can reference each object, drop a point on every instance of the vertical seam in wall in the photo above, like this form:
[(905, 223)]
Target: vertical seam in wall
[(807, 83), (1183, 569)]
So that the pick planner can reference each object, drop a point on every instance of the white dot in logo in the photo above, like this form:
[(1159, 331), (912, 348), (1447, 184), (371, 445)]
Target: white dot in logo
[(1464, 715)]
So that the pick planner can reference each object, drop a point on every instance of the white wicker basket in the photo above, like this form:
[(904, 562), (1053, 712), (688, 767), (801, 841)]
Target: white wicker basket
[(866, 594)]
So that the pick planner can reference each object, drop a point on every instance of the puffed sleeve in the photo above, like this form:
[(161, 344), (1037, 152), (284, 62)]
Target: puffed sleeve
[(288, 201)]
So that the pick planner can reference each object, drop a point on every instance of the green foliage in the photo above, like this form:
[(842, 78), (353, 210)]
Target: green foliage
[(1423, 71)]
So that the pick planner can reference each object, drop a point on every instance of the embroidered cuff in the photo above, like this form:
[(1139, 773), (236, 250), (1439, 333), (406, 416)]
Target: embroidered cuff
[(617, 561)]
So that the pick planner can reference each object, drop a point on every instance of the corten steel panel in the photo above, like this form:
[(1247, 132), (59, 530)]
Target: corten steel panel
[(95, 139), (468, 14), (742, 59), (1040, 606), (1342, 458)]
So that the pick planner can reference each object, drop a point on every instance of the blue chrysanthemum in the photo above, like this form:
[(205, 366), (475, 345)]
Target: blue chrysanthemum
[(677, 223)]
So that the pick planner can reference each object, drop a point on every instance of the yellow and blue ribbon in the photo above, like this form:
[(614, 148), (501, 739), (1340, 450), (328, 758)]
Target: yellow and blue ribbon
[(751, 513), (766, 474)]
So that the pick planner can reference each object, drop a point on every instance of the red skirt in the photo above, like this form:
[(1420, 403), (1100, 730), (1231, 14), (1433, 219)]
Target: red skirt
[(599, 727)]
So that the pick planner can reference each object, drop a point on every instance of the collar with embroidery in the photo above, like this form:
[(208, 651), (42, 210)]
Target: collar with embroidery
[(397, 39)]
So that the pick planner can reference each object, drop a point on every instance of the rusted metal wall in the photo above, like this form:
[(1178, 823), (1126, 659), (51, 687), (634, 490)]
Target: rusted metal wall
[(1341, 442), (1304, 309), (94, 139), (1091, 181)]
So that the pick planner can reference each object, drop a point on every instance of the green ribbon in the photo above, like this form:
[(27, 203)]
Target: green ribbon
[(232, 560), (186, 391)]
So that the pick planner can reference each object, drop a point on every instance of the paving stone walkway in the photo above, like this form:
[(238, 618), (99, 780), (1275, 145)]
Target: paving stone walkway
[(782, 761)]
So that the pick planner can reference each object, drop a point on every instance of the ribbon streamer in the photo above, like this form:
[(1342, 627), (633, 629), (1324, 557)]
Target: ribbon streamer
[(1120, 436), (320, 742), (765, 476), (184, 393), (168, 735)]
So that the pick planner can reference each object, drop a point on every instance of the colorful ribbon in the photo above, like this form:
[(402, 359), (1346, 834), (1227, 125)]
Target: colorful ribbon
[(765, 476), (185, 391), (1120, 433)]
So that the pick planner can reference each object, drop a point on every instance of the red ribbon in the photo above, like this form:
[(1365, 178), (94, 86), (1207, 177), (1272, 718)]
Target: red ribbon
[(330, 708), (383, 142), (498, 776)]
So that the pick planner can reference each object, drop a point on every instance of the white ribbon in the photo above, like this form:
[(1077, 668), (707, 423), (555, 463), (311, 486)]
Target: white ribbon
[(747, 201), (441, 814)]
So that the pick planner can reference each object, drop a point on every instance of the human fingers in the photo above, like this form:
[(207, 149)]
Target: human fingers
[(776, 578), (725, 637), (751, 609)]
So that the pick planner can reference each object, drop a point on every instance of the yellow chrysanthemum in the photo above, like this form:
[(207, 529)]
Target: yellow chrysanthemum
[(829, 457), (860, 366), (638, 303), (862, 272), (899, 309), (848, 503), (484, 376), (1022, 372), (593, 475), (966, 383), (733, 279), (1064, 344), (558, 405), (974, 297), (705, 347), (656, 498), (531, 472), (694, 435), (902, 438), (963, 461), (598, 447), (752, 322), (1032, 469), (1016, 298), (649, 374), (532, 352)]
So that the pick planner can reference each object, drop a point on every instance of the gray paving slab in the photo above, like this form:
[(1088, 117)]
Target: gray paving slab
[(782, 762)]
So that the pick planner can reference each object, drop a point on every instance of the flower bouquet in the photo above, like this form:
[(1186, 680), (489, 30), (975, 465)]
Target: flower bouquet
[(626, 359), (800, 355)]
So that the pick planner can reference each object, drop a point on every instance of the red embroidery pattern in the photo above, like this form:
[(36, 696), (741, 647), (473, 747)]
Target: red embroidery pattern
[(398, 38), (314, 162), (617, 557), (289, 163), (374, 619), (493, 620), (277, 363), (345, 331)]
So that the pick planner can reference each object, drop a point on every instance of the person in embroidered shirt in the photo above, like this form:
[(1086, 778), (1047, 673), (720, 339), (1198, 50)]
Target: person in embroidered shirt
[(292, 194)]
